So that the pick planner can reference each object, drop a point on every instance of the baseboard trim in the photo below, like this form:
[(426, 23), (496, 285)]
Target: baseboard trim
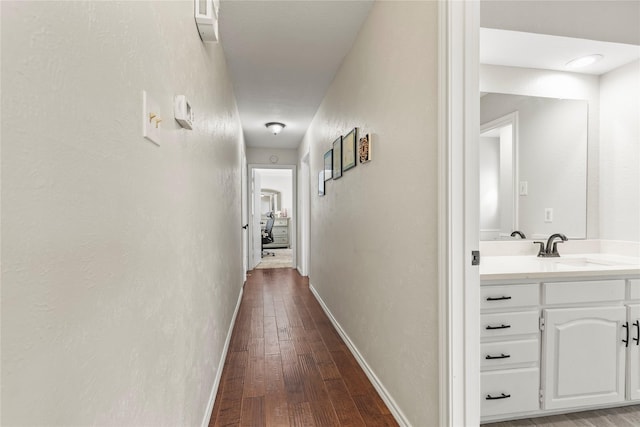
[(225, 349), (377, 384)]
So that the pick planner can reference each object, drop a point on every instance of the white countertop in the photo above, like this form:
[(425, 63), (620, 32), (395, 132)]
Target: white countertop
[(574, 265)]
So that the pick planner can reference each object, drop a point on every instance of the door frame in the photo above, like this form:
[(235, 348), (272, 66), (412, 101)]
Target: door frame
[(458, 208), (304, 220), (294, 206)]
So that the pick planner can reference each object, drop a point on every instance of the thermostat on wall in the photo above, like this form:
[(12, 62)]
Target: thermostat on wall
[(183, 112)]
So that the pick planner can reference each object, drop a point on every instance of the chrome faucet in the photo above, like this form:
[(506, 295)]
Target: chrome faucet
[(518, 233), (551, 250)]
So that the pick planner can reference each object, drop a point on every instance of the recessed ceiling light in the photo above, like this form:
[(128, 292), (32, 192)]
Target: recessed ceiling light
[(275, 127), (583, 61)]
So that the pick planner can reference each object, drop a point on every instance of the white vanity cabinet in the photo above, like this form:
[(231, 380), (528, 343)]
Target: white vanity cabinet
[(633, 352), (510, 348), (558, 345)]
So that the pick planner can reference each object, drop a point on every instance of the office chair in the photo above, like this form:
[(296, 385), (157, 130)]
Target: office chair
[(267, 235)]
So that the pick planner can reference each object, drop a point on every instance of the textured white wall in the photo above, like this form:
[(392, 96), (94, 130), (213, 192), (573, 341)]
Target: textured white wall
[(262, 156), (374, 234), (620, 153), (121, 260)]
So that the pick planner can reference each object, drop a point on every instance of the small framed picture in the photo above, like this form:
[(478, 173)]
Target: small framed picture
[(328, 165), (349, 150), (364, 148), (321, 183), (337, 158)]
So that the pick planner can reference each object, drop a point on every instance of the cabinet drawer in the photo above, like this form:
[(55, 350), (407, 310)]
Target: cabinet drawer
[(587, 291), (634, 289), (279, 231), (280, 222), (499, 354), (280, 240), (505, 324), (520, 385), (508, 296)]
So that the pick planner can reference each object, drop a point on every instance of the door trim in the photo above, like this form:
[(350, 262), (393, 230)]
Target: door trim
[(459, 281), (294, 205)]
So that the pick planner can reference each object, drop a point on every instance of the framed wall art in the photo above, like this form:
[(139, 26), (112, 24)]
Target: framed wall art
[(337, 158), (328, 165), (364, 148), (321, 183), (349, 150)]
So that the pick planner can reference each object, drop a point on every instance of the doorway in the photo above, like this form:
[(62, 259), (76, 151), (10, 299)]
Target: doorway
[(272, 202)]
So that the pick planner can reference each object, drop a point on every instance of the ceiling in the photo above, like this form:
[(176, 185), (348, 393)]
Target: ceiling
[(282, 56), (530, 50)]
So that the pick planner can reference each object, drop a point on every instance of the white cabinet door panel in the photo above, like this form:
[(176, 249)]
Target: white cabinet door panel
[(633, 353), (584, 357)]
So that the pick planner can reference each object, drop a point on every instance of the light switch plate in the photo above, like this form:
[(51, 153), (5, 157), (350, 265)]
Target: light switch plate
[(151, 119), (524, 188)]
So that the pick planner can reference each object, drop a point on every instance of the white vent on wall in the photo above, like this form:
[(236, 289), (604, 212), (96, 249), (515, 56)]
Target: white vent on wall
[(207, 19)]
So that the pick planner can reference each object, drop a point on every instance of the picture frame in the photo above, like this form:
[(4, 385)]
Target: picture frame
[(349, 150), (321, 183), (328, 165), (364, 148), (337, 158)]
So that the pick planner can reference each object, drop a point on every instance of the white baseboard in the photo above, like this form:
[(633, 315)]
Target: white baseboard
[(382, 391), (225, 349)]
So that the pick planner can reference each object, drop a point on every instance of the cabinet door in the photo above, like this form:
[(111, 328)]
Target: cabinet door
[(584, 356), (633, 353)]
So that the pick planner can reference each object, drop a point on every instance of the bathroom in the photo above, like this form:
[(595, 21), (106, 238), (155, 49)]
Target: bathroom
[(560, 224)]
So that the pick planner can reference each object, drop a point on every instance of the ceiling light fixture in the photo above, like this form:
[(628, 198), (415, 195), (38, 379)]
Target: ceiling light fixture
[(583, 61), (275, 127)]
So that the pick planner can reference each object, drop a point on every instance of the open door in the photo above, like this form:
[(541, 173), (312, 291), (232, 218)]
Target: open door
[(245, 218), (256, 234)]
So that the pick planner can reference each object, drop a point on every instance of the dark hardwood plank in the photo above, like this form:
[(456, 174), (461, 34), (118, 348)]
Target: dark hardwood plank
[(287, 365), (343, 404), (253, 414)]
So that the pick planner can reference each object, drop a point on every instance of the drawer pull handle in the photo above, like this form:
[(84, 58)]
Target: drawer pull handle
[(503, 396), (498, 327), (626, 330), (502, 356), (497, 298), (637, 338)]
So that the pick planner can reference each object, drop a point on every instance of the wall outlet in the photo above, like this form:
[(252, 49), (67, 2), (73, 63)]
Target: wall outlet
[(524, 188), (548, 214), (151, 119)]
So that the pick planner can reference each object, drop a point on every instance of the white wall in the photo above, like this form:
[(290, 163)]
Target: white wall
[(121, 259), (263, 156), (279, 180), (374, 235), (557, 84), (620, 153)]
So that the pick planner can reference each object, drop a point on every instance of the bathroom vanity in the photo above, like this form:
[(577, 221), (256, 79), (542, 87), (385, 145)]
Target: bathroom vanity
[(558, 334)]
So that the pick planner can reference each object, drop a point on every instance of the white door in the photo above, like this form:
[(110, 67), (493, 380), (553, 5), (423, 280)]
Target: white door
[(633, 353), (256, 234), (584, 356), (245, 217)]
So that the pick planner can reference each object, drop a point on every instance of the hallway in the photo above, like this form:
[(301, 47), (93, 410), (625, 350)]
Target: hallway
[(287, 365)]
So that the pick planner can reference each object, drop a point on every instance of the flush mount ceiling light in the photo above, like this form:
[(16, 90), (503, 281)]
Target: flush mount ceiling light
[(275, 127), (583, 61)]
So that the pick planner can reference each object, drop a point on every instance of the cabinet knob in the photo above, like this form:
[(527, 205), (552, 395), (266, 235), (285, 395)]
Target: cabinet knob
[(626, 330), (637, 338), (502, 356), (497, 298)]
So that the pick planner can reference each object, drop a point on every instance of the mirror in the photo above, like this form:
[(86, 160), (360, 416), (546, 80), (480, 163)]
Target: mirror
[(270, 201), (533, 166)]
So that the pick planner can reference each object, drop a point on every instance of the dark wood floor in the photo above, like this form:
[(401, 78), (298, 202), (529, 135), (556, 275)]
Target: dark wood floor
[(287, 366)]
